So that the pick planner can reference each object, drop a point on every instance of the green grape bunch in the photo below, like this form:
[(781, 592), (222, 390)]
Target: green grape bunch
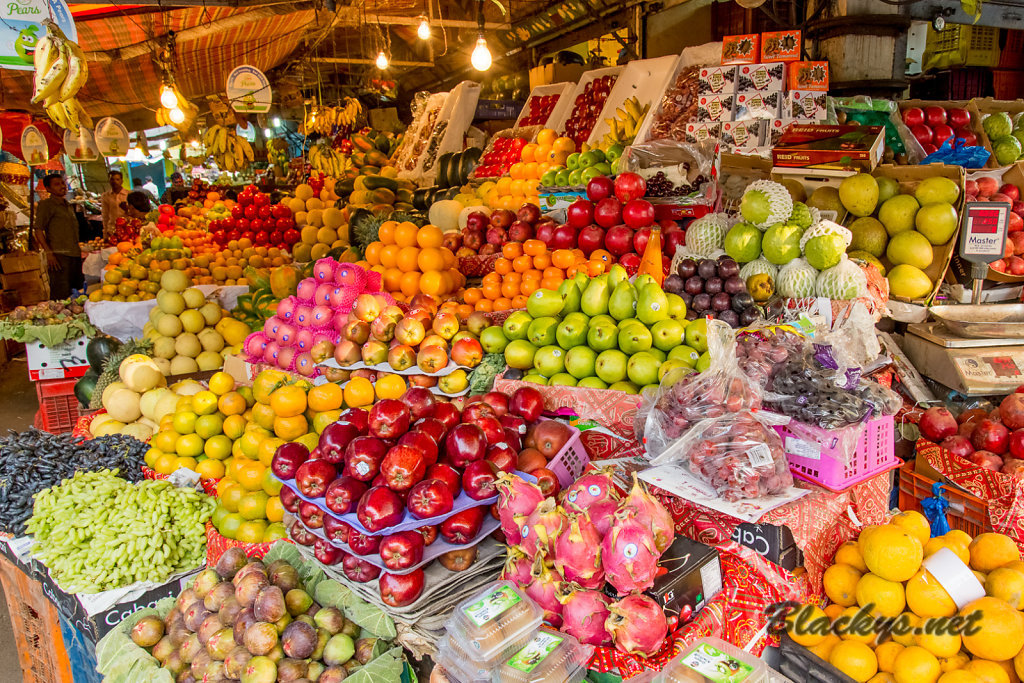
[(96, 531)]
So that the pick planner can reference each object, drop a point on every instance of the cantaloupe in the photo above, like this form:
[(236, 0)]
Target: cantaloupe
[(150, 401), (140, 373), (124, 406), (138, 430), (111, 388), (109, 427)]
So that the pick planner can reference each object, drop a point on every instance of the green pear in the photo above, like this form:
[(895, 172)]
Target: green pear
[(670, 365), (541, 331), (580, 361), (519, 354), (603, 319), (535, 378), (652, 305), (687, 355), (635, 338), (572, 331), (642, 281), (582, 280), (611, 366), (697, 335), (622, 303), (626, 322), (595, 298), (544, 302), (668, 334), (570, 296), (549, 360), (602, 337), (642, 368), (676, 306), (517, 325), (616, 274), (562, 379), (657, 353), (704, 362), (625, 386), (592, 383)]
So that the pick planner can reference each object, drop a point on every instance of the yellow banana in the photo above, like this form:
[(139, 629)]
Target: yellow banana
[(50, 83), (247, 149), (56, 113), (45, 55), (239, 153), (83, 116), (78, 71), (222, 139), (71, 116)]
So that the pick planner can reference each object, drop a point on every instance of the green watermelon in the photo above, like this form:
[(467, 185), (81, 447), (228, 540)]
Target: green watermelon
[(97, 350)]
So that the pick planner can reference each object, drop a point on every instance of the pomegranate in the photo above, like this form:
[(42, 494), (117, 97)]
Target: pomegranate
[(937, 423), (990, 435), (1011, 411)]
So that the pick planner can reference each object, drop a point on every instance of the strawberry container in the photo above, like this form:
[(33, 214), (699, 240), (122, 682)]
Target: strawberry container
[(498, 619), (840, 458), (548, 656)]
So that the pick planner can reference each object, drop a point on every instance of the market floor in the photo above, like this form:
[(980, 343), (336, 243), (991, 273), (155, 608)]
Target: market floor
[(18, 407)]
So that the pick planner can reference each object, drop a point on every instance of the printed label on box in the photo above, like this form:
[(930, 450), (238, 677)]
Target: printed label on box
[(492, 605), (715, 107), (808, 76), (716, 665), (776, 127), (757, 105), (699, 132), (741, 49), (769, 77), (717, 79), (744, 134), (806, 105), (781, 46), (535, 652)]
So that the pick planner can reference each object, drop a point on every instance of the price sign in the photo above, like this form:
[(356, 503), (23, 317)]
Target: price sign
[(983, 232)]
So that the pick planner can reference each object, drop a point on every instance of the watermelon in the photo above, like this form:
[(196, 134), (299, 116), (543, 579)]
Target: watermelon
[(98, 349), (85, 386)]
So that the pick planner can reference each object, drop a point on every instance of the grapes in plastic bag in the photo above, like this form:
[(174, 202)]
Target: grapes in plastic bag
[(843, 281), (706, 235), (760, 350), (804, 390), (796, 279), (883, 400)]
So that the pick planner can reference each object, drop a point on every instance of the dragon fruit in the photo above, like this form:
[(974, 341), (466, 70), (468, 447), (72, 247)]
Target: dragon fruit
[(602, 514), (517, 568), (650, 512), (543, 590), (589, 489), (542, 527), (629, 555), (577, 552), (637, 625), (584, 613), (516, 497)]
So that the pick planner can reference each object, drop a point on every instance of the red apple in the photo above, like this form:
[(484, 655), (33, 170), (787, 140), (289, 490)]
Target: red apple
[(937, 423), (433, 428), (399, 590), (520, 231), (287, 459), (528, 213), (359, 570), (941, 133), (479, 479), (1015, 223), (462, 527), (640, 239), (465, 444), (493, 431), (497, 401), (389, 419), (957, 117), (420, 401), (363, 457), (446, 474), (313, 477), (402, 550), (289, 499), (503, 456), (311, 515), (402, 467), (336, 530), (545, 232), (969, 138), (1011, 191), (334, 440), (360, 417), (913, 116), (502, 218), (343, 494), (476, 409), (935, 116), (447, 414), (477, 220), (527, 403), (430, 498), (362, 544), (422, 442), (987, 186), (923, 133), (325, 553), (379, 508)]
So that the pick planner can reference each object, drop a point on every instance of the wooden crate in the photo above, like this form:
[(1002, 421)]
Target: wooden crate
[(21, 262)]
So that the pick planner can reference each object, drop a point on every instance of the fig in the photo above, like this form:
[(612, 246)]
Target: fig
[(195, 614), (282, 623), (364, 649), (243, 621), (291, 670), (229, 610), (249, 587), (283, 575), (221, 643), (185, 598), (330, 618), (322, 637), (298, 640), (306, 619), (269, 605), (163, 648), (205, 582), (178, 634), (216, 597), (174, 664), (339, 649), (199, 664), (314, 670), (190, 647), (260, 638), (254, 567), (350, 629), (175, 617), (234, 663), (276, 654), (333, 674), (230, 563), (214, 672), (147, 631), (260, 670), (211, 624), (297, 601)]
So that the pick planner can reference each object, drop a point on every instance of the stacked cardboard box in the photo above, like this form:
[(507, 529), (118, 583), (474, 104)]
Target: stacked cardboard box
[(24, 274)]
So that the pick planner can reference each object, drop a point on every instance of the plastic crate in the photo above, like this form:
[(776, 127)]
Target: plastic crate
[(962, 45), (1012, 54), (800, 664), (965, 512), (1007, 84), (874, 454), (58, 407)]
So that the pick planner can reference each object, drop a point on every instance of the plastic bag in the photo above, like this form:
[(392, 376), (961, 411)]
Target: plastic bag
[(738, 454), (806, 390), (956, 152), (883, 400), (760, 350), (674, 169), (684, 397), (868, 111)]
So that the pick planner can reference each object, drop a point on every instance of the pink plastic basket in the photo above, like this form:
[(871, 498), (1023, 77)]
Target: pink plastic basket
[(873, 455), (569, 463)]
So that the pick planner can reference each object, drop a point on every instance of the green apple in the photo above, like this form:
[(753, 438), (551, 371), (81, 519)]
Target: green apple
[(590, 173), (549, 178), (576, 177), (573, 161), (562, 178), (613, 152)]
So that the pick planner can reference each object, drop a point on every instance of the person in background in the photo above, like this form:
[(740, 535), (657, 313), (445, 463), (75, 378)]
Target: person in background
[(150, 187), (176, 191), (138, 207), (112, 202), (56, 233)]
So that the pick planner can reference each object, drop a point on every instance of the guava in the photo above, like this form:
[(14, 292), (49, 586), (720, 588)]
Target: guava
[(824, 251)]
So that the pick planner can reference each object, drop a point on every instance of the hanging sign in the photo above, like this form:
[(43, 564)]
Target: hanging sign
[(112, 138), (33, 146), (81, 147), (249, 90), (21, 28)]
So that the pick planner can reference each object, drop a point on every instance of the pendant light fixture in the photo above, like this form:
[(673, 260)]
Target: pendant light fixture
[(481, 57), (423, 30)]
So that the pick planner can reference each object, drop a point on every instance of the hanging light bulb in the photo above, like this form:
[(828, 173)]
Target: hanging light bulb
[(176, 115), (195, 144), (382, 60), (135, 154), (168, 98), (423, 30), (267, 132), (481, 58), (276, 122)]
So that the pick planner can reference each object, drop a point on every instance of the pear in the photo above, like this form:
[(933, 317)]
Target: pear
[(595, 299), (622, 303), (652, 305)]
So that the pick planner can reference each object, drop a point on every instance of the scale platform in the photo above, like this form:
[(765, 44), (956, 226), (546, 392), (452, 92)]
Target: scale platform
[(972, 366)]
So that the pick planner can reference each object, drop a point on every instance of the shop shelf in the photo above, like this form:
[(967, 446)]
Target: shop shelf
[(965, 512)]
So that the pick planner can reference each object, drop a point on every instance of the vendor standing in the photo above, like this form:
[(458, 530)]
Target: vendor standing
[(56, 233), (176, 191), (112, 202)]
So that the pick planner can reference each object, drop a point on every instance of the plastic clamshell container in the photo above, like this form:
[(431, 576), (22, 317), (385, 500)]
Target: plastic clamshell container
[(452, 656), (712, 660), (486, 623), (548, 657)]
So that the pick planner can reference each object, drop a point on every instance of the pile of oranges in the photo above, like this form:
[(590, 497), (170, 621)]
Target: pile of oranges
[(522, 183), (412, 260), (525, 267)]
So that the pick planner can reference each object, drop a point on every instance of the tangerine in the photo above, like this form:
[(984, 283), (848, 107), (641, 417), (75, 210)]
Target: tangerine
[(411, 283), (358, 392), (534, 247), (288, 401), (325, 397), (429, 236), (386, 232), (408, 259), (405, 234)]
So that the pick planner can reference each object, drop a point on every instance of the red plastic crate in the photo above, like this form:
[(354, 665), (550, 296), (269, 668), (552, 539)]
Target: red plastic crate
[(58, 407), (1012, 54), (1007, 84)]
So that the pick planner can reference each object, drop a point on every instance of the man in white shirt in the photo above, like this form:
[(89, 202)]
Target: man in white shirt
[(151, 188), (112, 202)]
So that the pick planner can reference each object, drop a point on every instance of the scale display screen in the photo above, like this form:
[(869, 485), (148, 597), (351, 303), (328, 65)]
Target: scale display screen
[(983, 232)]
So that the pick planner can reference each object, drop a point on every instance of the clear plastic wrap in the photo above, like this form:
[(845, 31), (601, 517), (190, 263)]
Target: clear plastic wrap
[(685, 398), (678, 106), (674, 169), (805, 390), (737, 454), (883, 400), (760, 350)]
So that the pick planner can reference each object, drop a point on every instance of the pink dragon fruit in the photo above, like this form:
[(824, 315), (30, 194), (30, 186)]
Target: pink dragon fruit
[(543, 590), (590, 489), (637, 625), (602, 514), (542, 527), (578, 552), (518, 567), (651, 513), (629, 555), (584, 613), (516, 497)]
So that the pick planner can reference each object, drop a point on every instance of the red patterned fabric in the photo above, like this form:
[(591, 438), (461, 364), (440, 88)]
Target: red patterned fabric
[(217, 545), (478, 266), (1004, 493)]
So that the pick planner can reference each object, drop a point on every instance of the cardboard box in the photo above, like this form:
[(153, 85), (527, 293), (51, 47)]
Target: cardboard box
[(806, 105), (741, 49), (21, 262), (555, 73), (64, 360), (826, 146), (763, 77), (693, 577), (716, 80), (27, 278), (774, 130), (699, 132), (744, 134), (772, 542), (781, 46), (715, 107), (808, 76), (757, 105)]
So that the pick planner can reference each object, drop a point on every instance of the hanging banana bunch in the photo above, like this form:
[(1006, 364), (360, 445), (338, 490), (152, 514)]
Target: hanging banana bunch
[(231, 151), (323, 120), (60, 72), (327, 160), (277, 152)]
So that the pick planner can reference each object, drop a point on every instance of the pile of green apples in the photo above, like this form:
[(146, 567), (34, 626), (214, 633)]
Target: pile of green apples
[(605, 332), (581, 167)]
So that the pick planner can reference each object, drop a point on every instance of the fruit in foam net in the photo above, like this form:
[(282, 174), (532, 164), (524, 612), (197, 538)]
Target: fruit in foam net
[(765, 203)]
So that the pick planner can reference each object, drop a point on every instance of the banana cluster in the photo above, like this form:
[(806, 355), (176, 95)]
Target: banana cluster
[(328, 160), (277, 152), (322, 120), (163, 115), (231, 151), (628, 119), (60, 72)]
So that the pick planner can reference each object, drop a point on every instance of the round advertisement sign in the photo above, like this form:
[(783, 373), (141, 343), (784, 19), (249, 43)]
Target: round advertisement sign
[(249, 90), (81, 147), (33, 146), (112, 138)]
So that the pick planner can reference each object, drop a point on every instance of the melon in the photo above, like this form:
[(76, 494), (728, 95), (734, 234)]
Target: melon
[(140, 373), (138, 430), (109, 427), (183, 365), (209, 360), (445, 214), (164, 364), (167, 404), (97, 423), (124, 406), (111, 388), (150, 402), (187, 387)]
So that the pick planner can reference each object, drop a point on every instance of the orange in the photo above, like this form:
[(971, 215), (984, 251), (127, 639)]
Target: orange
[(562, 258), (465, 310), (516, 172), (288, 401), (251, 531), (389, 386), (372, 254), (521, 264), (389, 256), (534, 247), (392, 279), (408, 259), (999, 634), (807, 625), (411, 283), (491, 278), (546, 136), (358, 392), (530, 171), (484, 305), (856, 660), (563, 144), (518, 186), (429, 236), (991, 550), (491, 290), (430, 258), (891, 552), (502, 266), (840, 582), (511, 249), (450, 260), (325, 397), (405, 234), (231, 403), (551, 283), (431, 282), (386, 232), (290, 428), (250, 475), (542, 261), (275, 509), (472, 295), (231, 496), (552, 272), (254, 505), (529, 286), (595, 268), (915, 663), (602, 255), (519, 301), (502, 304), (509, 289)]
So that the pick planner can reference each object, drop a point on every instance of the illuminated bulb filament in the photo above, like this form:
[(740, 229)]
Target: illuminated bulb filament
[(168, 98), (423, 30), (481, 58), (382, 60), (176, 115)]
